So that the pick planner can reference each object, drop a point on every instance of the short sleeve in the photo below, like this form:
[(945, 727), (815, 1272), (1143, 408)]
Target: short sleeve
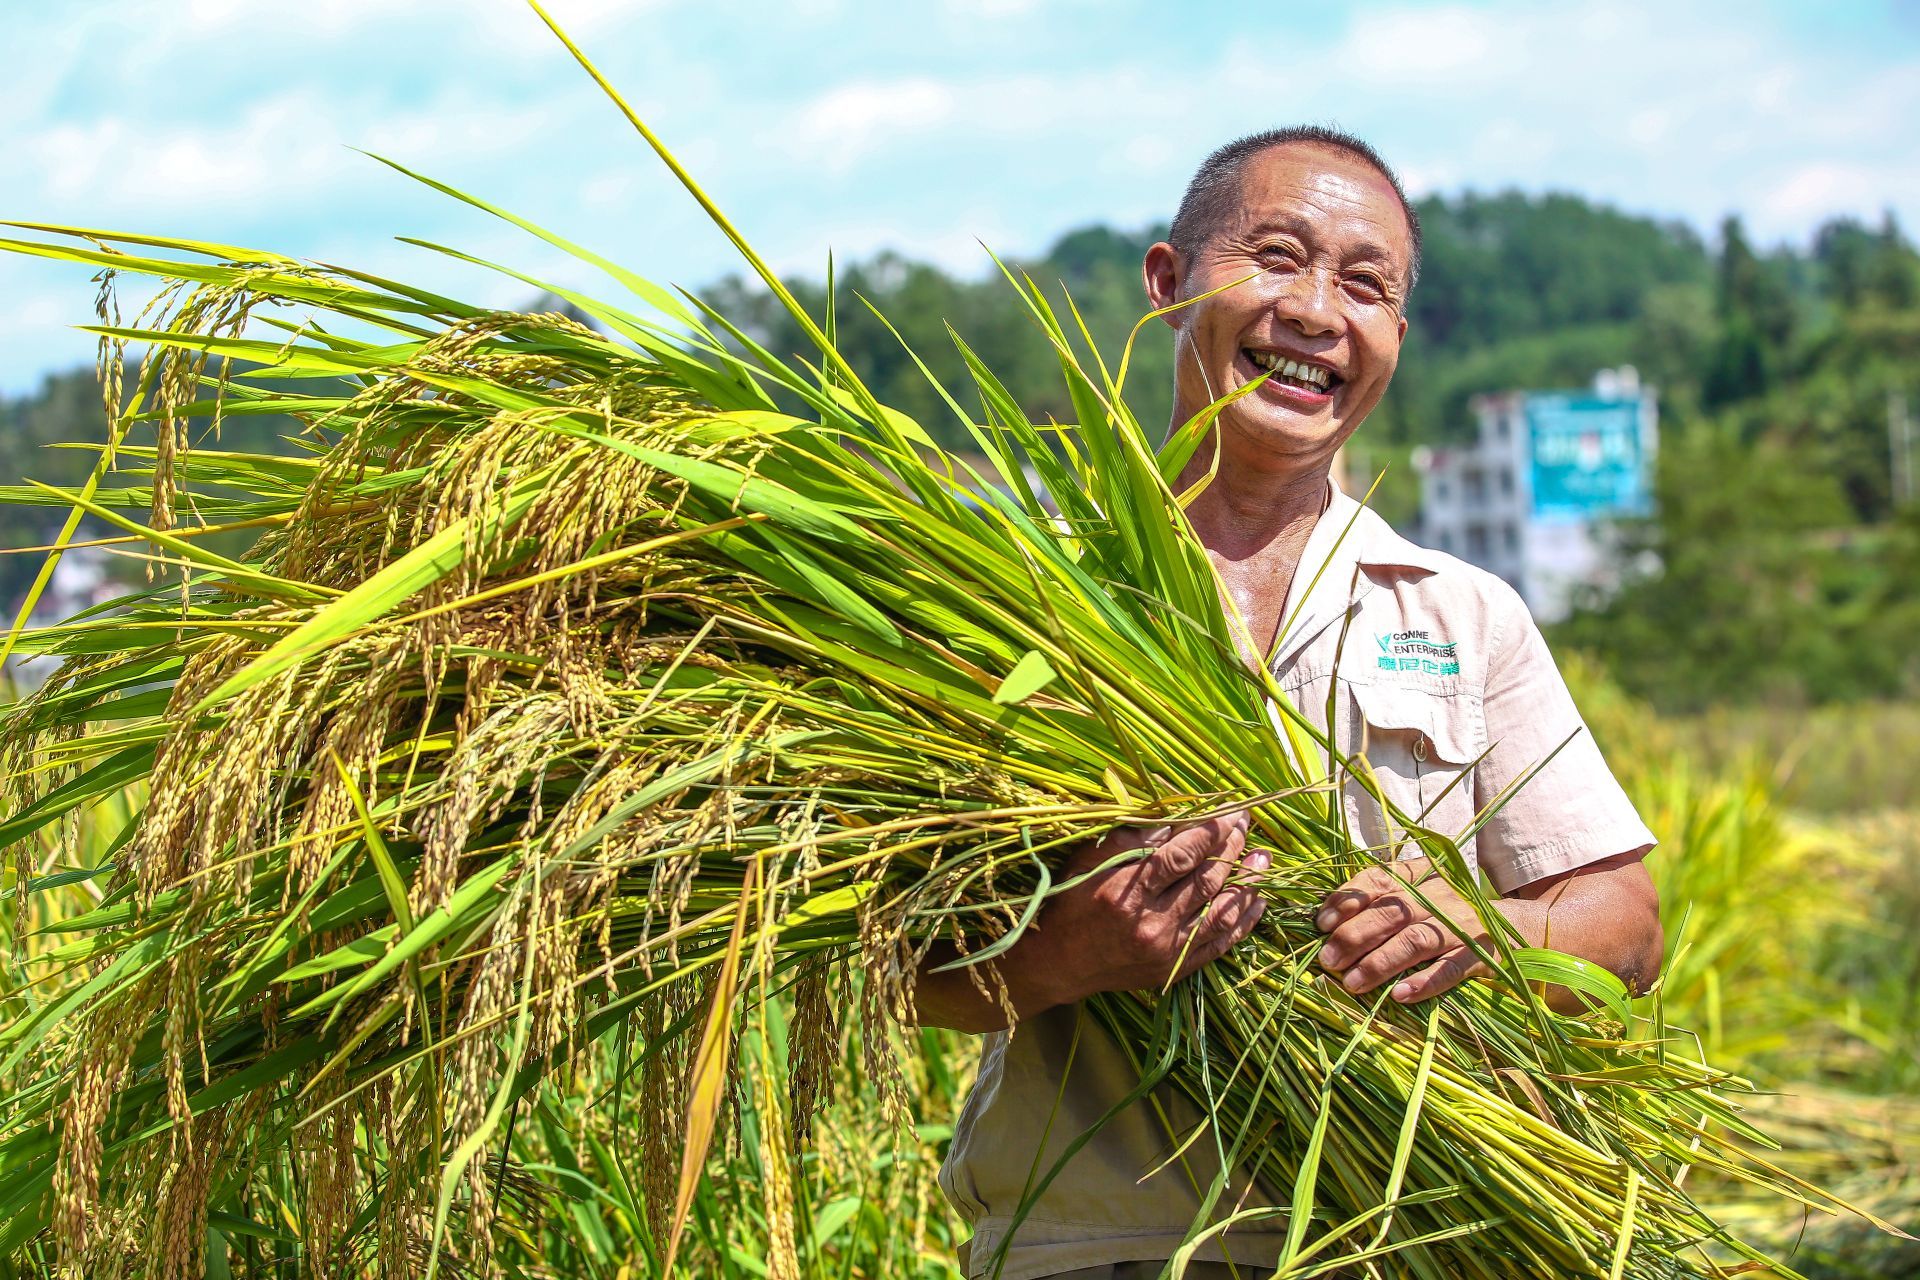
[(1572, 811)]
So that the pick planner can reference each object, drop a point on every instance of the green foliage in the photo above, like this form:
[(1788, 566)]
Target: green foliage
[(1844, 759), (1526, 291), (1099, 265), (1752, 585), (1777, 569), (1767, 575), (1743, 595), (1867, 268), (1789, 942), (1515, 290), (865, 1205), (1746, 888)]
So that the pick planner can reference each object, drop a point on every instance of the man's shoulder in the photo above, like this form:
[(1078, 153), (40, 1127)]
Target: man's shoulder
[(1435, 614), (1390, 558)]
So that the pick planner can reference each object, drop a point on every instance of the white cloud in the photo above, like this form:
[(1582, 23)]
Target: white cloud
[(1819, 190), (845, 125), (993, 8), (999, 10), (1722, 112), (453, 19), (146, 165), (1407, 47), (36, 327), (1650, 126), (959, 247)]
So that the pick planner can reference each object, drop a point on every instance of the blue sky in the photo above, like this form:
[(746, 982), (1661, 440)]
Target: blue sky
[(923, 127)]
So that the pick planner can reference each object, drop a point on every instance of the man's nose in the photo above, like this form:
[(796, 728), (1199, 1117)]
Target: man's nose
[(1307, 299)]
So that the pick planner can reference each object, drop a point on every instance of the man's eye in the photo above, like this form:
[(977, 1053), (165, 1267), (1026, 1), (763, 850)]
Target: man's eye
[(1371, 285)]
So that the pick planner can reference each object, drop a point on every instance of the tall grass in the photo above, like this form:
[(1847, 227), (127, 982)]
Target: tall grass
[(1834, 760), (1789, 933), (58, 872)]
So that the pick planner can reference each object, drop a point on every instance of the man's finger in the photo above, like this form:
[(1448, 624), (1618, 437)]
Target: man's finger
[(1090, 854), (1240, 922), (1201, 885), (1420, 941), (1360, 934), (1186, 850), (1353, 896), (1444, 974), (1227, 910)]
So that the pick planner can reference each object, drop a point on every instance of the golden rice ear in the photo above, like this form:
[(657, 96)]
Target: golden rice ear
[(815, 1037)]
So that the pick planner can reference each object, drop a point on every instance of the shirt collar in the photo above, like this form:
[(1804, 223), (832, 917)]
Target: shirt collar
[(1328, 582)]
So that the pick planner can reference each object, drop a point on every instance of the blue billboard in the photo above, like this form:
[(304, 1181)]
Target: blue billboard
[(1589, 457)]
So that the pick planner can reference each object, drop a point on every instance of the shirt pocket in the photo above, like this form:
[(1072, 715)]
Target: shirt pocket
[(1422, 747)]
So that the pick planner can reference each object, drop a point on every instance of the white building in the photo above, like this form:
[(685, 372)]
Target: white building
[(80, 581), (1533, 498)]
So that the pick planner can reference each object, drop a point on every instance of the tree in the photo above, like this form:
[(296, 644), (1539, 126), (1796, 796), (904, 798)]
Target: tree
[(1757, 319), (1756, 592)]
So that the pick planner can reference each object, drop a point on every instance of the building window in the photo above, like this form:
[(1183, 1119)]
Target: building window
[(1476, 542), (1476, 486), (1510, 538), (1446, 541), (1506, 482), (1440, 490)]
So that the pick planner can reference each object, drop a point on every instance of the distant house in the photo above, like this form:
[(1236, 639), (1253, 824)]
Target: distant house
[(1534, 497), (80, 581)]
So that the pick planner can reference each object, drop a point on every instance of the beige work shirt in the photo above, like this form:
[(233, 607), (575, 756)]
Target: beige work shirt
[(1446, 673)]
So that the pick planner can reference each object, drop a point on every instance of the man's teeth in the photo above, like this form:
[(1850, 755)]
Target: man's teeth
[(1312, 374)]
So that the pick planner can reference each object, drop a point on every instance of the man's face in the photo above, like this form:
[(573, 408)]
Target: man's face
[(1327, 247)]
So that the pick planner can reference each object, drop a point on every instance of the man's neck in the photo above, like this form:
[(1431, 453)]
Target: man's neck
[(1256, 517), (1255, 526)]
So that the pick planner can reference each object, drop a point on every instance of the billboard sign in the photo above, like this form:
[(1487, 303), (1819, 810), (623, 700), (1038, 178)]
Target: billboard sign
[(1589, 456)]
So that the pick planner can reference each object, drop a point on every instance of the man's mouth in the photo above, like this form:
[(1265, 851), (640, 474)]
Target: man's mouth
[(1297, 374)]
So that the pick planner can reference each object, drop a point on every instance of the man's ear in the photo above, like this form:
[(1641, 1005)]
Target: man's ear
[(1163, 271)]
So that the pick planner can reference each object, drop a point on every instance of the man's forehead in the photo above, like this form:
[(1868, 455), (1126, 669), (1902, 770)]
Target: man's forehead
[(1299, 178), (1308, 157)]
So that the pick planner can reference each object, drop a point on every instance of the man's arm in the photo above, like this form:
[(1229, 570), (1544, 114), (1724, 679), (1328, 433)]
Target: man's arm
[(1607, 912), (1169, 912)]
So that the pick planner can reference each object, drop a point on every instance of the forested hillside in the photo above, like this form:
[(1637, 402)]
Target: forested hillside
[(1787, 573)]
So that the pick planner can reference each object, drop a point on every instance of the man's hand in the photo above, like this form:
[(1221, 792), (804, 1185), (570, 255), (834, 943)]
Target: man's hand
[(1379, 930), (1131, 927), (1139, 924), (1605, 911)]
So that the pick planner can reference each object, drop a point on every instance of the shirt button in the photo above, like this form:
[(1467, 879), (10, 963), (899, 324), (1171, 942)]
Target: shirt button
[(1420, 747)]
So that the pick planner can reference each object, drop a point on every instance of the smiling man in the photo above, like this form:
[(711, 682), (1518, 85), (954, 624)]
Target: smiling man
[(1295, 251)]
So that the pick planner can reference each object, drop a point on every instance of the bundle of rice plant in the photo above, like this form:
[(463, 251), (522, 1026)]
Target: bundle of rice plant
[(579, 685)]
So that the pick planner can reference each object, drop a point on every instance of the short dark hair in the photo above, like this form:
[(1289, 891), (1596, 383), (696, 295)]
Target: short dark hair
[(1216, 184)]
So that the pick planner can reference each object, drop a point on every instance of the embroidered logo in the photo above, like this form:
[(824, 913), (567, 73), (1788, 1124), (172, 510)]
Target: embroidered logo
[(1418, 651)]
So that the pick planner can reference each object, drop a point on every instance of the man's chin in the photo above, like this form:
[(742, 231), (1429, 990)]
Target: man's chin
[(1285, 435)]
